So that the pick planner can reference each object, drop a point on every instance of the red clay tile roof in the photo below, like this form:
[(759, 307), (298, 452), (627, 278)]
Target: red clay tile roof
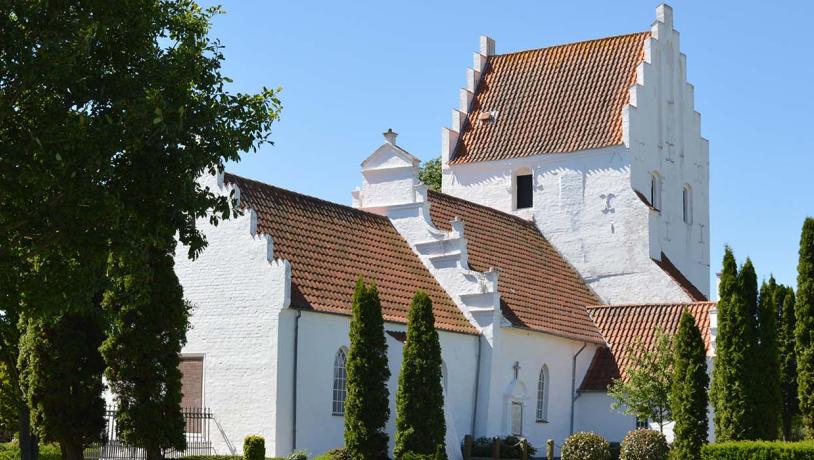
[(331, 245), (552, 100), (538, 288), (622, 325)]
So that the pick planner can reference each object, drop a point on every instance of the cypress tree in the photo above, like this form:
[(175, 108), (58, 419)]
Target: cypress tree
[(367, 403), (747, 287), (149, 320), (788, 361), (804, 329), (730, 379), (420, 425), (768, 401), (688, 394)]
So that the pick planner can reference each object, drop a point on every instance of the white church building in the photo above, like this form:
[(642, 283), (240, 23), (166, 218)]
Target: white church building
[(573, 218)]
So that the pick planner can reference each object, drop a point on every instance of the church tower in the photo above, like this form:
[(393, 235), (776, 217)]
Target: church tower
[(598, 143)]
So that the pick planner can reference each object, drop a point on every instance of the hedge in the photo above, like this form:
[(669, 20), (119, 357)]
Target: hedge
[(11, 451), (759, 450)]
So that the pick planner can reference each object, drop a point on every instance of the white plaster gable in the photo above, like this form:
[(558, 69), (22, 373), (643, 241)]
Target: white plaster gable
[(390, 176)]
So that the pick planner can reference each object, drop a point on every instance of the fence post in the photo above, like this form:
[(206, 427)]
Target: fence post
[(496, 448), (524, 445), (467, 447), (549, 449)]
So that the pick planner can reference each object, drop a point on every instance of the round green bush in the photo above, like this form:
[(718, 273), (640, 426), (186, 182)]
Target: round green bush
[(585, 446), (254, 447), (644, 445)]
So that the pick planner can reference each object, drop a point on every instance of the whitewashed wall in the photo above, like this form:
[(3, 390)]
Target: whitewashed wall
[(238, 292), (594, 414), (322, 335), (663, 132), (585, 207)]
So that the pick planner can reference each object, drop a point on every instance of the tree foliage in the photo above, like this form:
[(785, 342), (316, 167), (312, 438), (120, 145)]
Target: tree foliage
[(645, 392), (688, 394), (61, 376), (148, 324), (788, 360), (109, 112), (430, 174), (768, 399), (804, 329), (420, 424), (367, 402), (732, 382)]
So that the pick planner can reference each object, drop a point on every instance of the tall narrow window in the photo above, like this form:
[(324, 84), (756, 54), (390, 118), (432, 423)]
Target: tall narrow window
[(340, 379), (687, 204), (655, 191), (525, 192), (542, 395)]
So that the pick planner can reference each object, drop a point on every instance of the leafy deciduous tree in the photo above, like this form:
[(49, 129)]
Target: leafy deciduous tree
[(645, 392), (688, 394), (420, 424), (367, 402), (430, 174)]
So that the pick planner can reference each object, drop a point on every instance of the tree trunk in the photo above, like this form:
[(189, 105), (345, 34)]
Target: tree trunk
[(29, 450), (71, 450), (154, 453)]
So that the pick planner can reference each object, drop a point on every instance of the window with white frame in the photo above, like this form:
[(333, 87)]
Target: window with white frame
[(687, 200), (542, 395), (655, 191), (340, 380)]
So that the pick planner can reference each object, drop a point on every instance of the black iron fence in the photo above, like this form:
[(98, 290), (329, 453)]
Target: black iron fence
[(197, 436)]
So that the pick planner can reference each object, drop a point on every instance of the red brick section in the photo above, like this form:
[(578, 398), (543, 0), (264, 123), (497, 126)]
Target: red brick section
[(538, 288), (622, 325), (331, 245), (552, 100)]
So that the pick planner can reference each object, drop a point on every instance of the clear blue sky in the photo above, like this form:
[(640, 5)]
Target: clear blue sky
[(350, 70)]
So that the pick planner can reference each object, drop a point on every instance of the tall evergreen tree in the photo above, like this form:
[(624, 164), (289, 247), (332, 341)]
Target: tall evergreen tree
[(768, 398), (367, 403), (788, 361), (420, 425), (748, 289), (731, 382), (59, 356), (804, 329), (688, 395), (148, 323)]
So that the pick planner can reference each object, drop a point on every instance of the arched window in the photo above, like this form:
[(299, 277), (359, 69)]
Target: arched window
[(340, 379), (655, 191), (523, 189), (542, 395), (687, 200)]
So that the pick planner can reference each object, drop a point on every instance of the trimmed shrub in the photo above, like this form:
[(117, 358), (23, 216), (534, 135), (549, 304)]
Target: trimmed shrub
[(298, 455), (759, 450), (254, 447), (585, 446), (644, 445), (334, 454), (509, 447)]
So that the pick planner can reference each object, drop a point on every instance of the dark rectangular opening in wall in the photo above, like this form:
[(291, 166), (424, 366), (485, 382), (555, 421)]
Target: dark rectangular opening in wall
[(191, 368), (524, 192)]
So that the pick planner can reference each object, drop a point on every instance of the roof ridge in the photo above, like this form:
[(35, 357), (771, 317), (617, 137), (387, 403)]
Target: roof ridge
[(580, 42), (309, 197), (486, 208), (651, 304)]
